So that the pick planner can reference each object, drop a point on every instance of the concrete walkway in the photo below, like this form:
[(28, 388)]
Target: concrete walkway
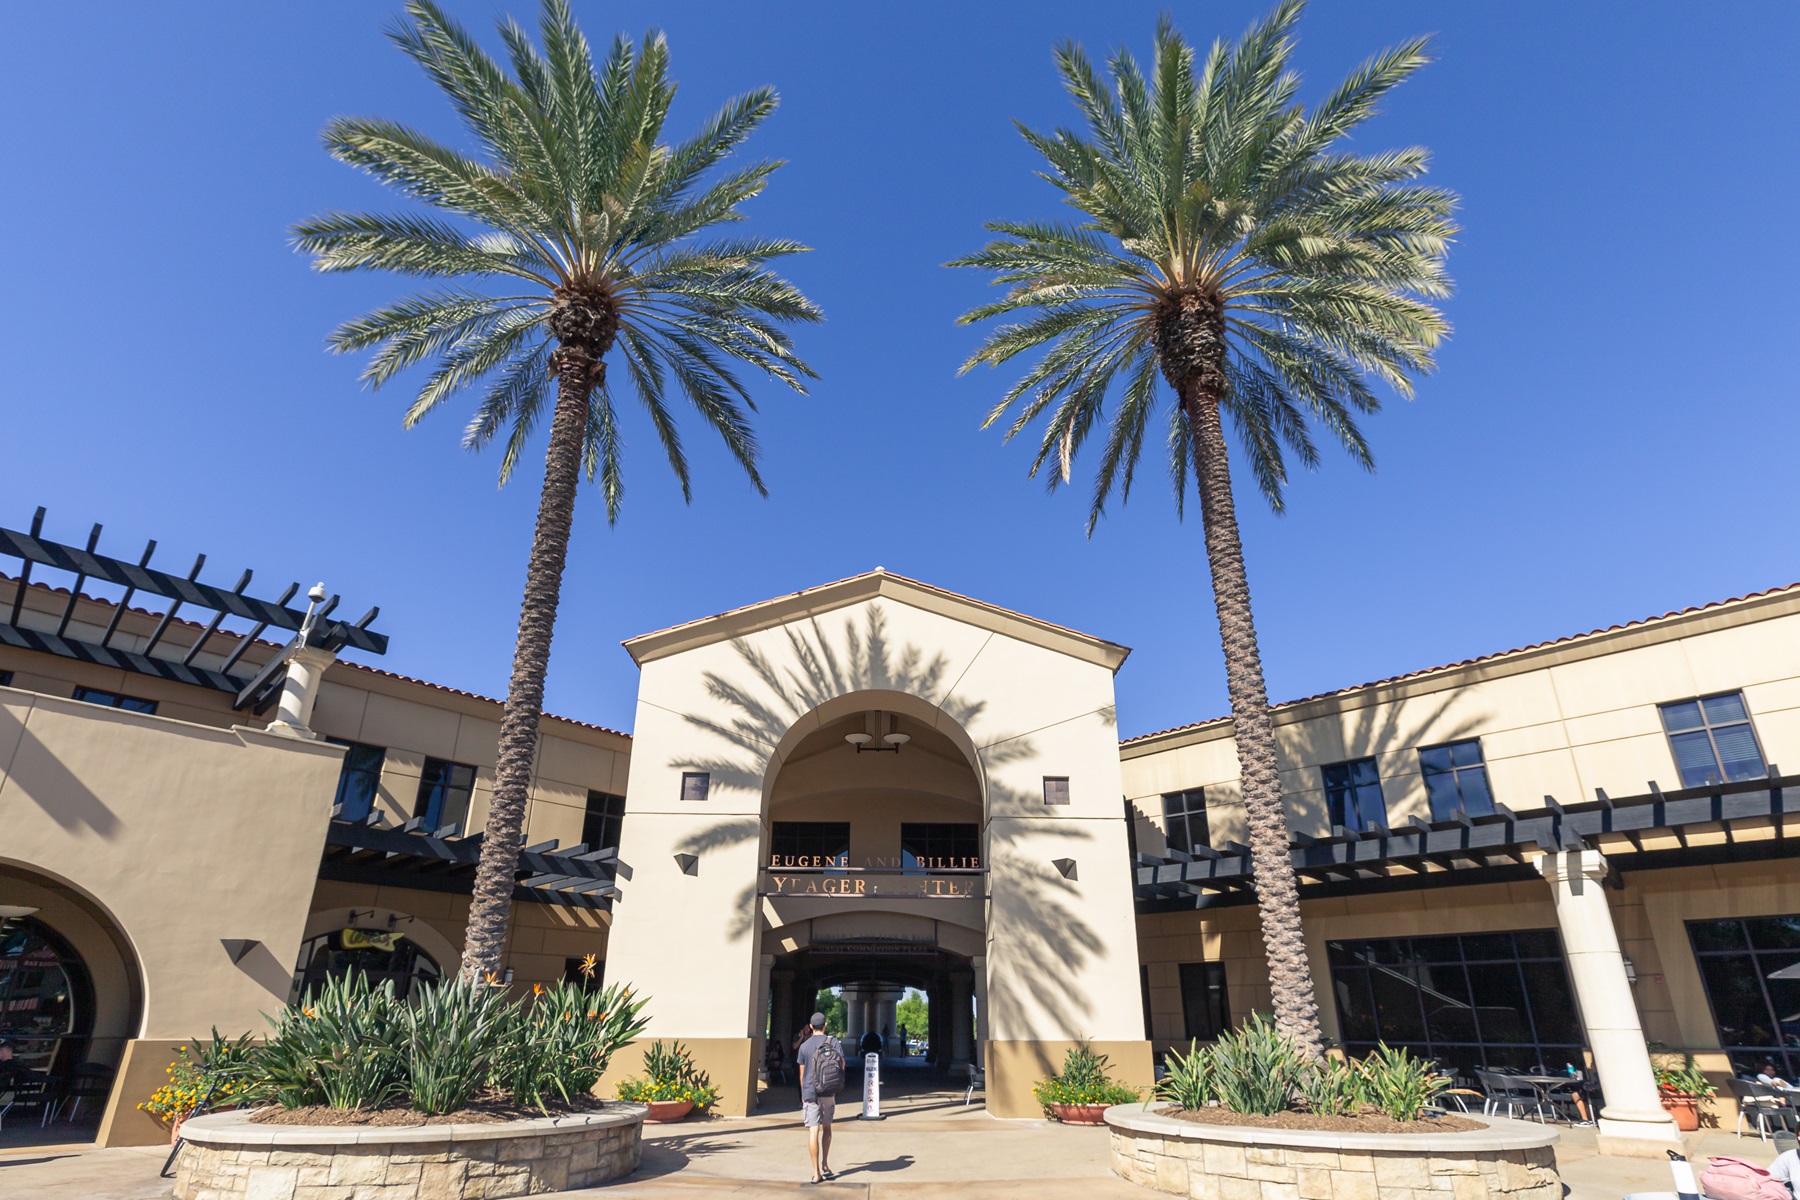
[(929, 1146)]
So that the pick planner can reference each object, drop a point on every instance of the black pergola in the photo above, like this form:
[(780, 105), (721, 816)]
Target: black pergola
[(1726, 822), (437, 860), (209, 606)]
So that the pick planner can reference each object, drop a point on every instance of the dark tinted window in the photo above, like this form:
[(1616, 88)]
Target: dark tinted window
[(1204, 1011), (1456, 780), (89, 695), (809, 844), (359, 781), (1184, 820), (1353, 795), (1470, 1001), (445, 789), (604, 821), (1713, 740), (695, 785), (5, 678), (1751, 970), (940, 846)]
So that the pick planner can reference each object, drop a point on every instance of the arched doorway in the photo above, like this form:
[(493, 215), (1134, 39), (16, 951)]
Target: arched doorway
[(874, 882), (46, 997), (382, 955)]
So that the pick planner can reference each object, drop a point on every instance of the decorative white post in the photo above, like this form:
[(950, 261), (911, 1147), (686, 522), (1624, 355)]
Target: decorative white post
[(299, 691), (1633, 1122)]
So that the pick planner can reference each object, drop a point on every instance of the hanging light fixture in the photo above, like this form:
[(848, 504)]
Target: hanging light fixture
[(880, 732)]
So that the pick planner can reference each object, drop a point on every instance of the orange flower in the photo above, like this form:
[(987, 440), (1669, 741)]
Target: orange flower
[(493, 979), (588, 963), (537, 989)]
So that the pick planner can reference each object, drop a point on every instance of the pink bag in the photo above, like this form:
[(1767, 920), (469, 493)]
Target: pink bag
[(1734, 1179)]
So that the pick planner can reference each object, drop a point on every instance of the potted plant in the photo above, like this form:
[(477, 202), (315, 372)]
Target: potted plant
[(1082, 1091), (1682, 1087), (671, 1086)]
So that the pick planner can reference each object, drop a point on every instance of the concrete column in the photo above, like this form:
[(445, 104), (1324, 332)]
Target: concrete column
[(782, 1026), (981, 1012), (765, 968), (1633, 1122), (856, 1013), (887, 1016), (960, 1026), (299, 691)]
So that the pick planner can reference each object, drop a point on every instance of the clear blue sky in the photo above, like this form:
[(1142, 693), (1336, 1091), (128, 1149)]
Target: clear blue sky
[(1611, 433)]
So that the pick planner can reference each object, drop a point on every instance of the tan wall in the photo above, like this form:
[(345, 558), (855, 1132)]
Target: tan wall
[(1560, 721)]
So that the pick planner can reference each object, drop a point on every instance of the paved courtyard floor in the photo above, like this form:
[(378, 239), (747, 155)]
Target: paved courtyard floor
[(930, 1145)]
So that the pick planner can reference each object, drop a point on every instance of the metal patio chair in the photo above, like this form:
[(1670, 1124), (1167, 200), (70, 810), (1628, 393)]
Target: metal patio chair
[(1760, 1104), (28, 1092), (1510, 1094)]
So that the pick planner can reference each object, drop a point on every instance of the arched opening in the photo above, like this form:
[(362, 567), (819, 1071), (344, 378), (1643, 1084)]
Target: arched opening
[(874, 887), (71, 999), (384, 956)]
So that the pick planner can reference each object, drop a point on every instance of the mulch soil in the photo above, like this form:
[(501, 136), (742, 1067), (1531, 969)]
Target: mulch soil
[(486, 1111), (1368, 1122)]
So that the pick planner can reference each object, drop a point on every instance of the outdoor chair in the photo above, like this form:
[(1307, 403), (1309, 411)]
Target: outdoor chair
[(90, 1081), (1510, 1094), (1761, 1104), (28, 1092), (977, 1083)]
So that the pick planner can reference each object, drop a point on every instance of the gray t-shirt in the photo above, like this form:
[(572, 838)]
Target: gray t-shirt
[(804, 1056)]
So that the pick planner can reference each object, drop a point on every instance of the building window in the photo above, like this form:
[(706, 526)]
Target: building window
[(940, 846), (1184, 820), (1056, 789), (1713, 740), (360, 779), (809, 844), (88, 695), (5, 678), (1204, 1012), (1750, 968), (1353, 794), (445, 789), (1474, 1000), (605, 818), (383, 956), (695, 785), (1456, 780)]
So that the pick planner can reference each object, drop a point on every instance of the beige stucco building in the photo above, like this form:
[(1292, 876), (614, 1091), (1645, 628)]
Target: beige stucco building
[(1536, 859)]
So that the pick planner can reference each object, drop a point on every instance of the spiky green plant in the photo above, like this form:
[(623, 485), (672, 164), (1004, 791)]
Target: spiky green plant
[(1226, 243), (570, 233)]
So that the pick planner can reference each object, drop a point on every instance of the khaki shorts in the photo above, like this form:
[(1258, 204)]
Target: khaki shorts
[(818, 1112)]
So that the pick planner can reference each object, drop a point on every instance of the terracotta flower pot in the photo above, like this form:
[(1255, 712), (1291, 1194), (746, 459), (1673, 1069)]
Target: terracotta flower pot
[(663, 1112), (1684, 1108), (175, 1129), (1080, 1114)]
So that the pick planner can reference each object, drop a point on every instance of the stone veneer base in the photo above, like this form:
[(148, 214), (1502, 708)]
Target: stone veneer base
[(229, 1158), (1508, 1160)]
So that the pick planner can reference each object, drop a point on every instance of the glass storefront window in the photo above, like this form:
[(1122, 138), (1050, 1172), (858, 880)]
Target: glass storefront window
[(379, 954), (1470, 1000), (46, 999), (1750, 967)]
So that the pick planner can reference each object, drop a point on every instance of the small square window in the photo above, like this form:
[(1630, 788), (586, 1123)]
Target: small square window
[(695, 785), (134, 704), (1056, 789), (5, 678)]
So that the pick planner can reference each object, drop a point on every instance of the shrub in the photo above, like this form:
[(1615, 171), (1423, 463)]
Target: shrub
[(1331, 1088), (452, 1039), (1677, 1075), (204, 1078), (1083, 1080), (1189, 1081), (669, 1074), (560, 1044), (341, 1048), (1257, 1067), (1399, 1084)]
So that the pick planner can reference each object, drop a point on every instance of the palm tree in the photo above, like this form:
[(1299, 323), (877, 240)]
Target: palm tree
[(1226, 243), (571, 233)]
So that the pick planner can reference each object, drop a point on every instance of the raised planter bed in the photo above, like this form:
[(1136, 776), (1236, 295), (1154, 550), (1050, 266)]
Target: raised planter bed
[(229, 1156), (1504, 1160)]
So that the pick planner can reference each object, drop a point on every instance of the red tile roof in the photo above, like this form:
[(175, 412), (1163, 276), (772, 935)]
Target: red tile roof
[(1498, 654)]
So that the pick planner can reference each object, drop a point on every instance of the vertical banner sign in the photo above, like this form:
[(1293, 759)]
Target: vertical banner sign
[(871, 1087)]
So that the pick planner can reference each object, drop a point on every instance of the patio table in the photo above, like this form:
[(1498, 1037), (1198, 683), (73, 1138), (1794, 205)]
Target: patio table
[(1547, 1086)]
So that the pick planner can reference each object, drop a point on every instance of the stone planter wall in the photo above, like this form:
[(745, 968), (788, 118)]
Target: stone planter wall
[(229, 1158), (1508, 1160)]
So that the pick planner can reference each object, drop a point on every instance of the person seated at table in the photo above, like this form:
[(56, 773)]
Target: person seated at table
[(776, 1063), (1766, 1074), (9, 1070)]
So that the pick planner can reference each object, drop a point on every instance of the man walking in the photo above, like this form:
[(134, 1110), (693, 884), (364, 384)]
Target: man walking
[(821, 1063)]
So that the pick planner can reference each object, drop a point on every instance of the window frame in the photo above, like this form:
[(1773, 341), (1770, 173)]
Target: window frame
[(1056, 789), (1336, 818), (1209, 984), (607, 818), (1787, 1057), (702, 784), (422, 805), (952, 836), (346, 771), (1193, 804), (1456, 774), (1706, 726), (118, 700)]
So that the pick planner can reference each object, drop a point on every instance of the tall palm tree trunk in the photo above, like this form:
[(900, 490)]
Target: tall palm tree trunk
[(579, 370), (1277, 893)]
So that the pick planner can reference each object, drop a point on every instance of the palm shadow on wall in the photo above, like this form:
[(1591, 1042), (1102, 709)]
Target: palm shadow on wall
[(757, 706)]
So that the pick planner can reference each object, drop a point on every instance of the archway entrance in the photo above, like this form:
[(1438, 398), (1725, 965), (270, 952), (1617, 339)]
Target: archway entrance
[(874, 888)]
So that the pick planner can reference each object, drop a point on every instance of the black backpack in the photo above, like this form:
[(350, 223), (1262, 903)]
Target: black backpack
[(828, 1068)]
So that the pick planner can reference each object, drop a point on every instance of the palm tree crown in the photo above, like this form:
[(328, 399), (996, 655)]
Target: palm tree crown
[(577, 202), (577, 208), (1228, 246), (1222, 234)]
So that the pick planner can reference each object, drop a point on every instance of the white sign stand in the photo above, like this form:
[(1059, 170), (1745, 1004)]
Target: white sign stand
[(871, 1106)]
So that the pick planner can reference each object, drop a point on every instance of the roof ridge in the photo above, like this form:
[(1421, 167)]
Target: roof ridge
[(1482, 658)]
